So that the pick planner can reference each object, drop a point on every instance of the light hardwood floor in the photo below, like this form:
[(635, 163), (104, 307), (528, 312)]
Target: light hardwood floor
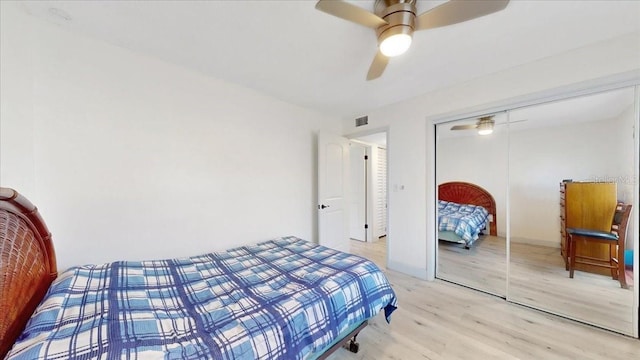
[(440, 320), (538, 276)]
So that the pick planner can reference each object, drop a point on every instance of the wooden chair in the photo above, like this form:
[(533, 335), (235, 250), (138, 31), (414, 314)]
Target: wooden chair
[(614, 238)]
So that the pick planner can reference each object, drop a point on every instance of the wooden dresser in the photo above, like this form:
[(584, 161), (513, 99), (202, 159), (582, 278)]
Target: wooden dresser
[(588, 205)]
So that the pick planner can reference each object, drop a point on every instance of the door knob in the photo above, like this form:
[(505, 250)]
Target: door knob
[(323, 206)]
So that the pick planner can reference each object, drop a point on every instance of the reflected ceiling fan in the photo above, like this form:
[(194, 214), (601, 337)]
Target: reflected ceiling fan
[(484, 125), (395, 21)]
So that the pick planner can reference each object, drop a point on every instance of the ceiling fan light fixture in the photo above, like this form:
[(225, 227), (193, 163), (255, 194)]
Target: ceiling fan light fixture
[(395, 45), (485, 128), (395, 38)]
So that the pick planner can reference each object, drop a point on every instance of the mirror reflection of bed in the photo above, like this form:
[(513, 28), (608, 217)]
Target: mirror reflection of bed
[(467, 236)]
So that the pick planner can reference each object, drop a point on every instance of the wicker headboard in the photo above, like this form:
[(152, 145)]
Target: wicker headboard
[(467, 193), (27, 264)]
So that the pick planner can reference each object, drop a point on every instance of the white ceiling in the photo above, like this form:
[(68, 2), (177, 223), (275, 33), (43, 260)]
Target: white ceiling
[(291, 51)]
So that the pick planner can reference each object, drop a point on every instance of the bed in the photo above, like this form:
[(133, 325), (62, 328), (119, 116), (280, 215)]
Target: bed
[(464, 210), (283, 298)]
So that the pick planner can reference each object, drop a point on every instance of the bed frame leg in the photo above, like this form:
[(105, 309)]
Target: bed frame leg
[(352, 345), (348, 342)]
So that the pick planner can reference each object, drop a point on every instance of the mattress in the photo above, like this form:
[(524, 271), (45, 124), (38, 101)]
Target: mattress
[(466, 221)]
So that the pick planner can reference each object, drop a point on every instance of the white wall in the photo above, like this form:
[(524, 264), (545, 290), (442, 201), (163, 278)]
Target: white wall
[(16, 100), (411, 140), (621, 169), (128, 157)]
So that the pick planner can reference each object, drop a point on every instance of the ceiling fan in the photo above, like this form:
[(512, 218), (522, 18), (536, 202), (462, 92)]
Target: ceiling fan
[(484, 125), (395, 21)]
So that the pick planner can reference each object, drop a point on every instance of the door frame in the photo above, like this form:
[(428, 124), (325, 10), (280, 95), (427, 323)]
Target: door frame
[(383, 129)]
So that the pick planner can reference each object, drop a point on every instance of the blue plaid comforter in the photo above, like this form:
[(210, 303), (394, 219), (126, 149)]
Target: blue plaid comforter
[(465, 220), (281, 299)]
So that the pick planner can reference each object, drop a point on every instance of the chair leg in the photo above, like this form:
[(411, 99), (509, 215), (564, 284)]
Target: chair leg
[(614, 268), (622, 277), (572, 256), (567, 251)]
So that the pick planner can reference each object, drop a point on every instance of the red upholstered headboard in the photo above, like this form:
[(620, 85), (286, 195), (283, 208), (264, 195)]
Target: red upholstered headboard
[(467, 193), (27, 264)]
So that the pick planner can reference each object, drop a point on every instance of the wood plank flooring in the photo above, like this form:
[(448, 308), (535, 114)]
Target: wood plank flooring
[(440, 320)]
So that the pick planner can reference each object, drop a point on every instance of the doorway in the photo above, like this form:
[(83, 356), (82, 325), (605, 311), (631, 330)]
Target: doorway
[(373, 187), (368, 200)]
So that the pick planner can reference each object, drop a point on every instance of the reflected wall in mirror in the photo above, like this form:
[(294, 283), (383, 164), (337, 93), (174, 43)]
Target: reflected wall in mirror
[(471, 173), (568, 164)]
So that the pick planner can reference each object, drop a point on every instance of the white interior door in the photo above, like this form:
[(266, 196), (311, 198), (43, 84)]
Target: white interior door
[(381, 194), (358, 198), (333, 191)]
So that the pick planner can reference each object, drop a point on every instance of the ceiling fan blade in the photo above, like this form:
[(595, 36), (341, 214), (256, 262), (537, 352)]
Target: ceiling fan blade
[(350, 12), (456, 11), (511, 122), (377, 67), (464, 127)]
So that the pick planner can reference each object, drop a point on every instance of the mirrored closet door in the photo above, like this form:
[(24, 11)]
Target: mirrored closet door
[(570, 163), (471, 174)]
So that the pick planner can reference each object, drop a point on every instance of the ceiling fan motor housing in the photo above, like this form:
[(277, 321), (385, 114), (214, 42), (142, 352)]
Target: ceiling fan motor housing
[(486, 120), (400, 16)]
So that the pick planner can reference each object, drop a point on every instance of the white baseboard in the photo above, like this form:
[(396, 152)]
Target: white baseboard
[(409, 270), (538, 242)]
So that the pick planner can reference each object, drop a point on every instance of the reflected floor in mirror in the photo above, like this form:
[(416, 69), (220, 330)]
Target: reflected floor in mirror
[(482, 267), (538, 276), (440, 320)]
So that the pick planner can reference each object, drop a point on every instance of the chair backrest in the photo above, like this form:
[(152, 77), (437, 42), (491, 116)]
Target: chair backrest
[(620, 220)]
